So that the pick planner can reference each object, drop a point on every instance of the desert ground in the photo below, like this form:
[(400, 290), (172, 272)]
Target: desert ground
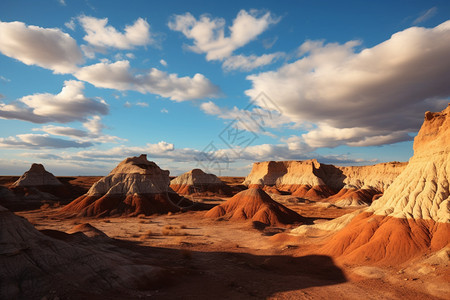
[(218, 259)]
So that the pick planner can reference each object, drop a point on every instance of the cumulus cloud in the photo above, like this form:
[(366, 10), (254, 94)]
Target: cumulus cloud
[(67, 106), (92, 134), (100, 34), (209, 36), (38, 141), (163, 62), (371, 97), (63, 131), (120, 76), (248, 63), (49, 48)]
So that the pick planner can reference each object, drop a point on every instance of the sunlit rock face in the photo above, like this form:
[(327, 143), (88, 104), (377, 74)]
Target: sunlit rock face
[(135, 186), (413, 215), (312, 180)]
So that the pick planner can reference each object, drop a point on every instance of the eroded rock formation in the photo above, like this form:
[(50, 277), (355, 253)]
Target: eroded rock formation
[(413, 215), (200, 183), (256, 205), (37, 176), (312, 180), (136, 186), (34, 265)]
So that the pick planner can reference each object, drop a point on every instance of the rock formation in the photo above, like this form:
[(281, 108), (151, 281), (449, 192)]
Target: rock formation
[(200, 183), (37, 176), (34, 265), (312, 180), (33, 188), (136, 186), (254, 204), (413, 215)]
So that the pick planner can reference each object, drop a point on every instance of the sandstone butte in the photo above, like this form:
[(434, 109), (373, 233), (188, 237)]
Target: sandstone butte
[(37, 176), (33, 186), (136, 186), (200, 183), (312, 180), (413, 215), (256, 205), (33, 263)]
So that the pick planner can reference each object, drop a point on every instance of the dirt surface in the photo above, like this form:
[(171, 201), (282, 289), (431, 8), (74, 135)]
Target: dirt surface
[(212, 259)]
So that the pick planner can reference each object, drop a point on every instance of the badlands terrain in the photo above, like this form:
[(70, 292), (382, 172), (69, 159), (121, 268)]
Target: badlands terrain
[(288, 230)]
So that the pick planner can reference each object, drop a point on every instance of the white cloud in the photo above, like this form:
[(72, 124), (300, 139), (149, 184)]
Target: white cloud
[(119, 76), (163, 62), (127, 104), (2, 78), (71, 24), (164, 111), (62, 131), (101, 35), (425, 15), (254, 118), (92, 134), (371, 97), (209, 37), (142, 104), (248, 63), (39, 141), (62, 2), (49, 48), (67, 106), (130, 55)]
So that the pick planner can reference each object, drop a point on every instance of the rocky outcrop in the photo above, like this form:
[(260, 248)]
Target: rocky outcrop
[(37, 176), (256, 205), (136, 186), (199, 183), (312, 180), (34, 265), (413, 215)]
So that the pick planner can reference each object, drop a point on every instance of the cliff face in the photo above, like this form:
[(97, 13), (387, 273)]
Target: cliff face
[(312, 180), (198, 182), (422, 190), (413, 215), (135, 186)]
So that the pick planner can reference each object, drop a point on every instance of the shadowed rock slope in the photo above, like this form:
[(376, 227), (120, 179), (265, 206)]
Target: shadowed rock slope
[(254, 204), (136, 186), (34, 265)]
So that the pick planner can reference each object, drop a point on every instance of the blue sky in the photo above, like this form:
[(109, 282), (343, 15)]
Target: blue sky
[(84, 84)]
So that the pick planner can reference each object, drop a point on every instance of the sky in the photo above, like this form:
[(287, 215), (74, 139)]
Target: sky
[(217, 85)]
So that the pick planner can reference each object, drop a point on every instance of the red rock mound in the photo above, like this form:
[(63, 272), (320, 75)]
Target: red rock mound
[(352, 196), (136, 186), (199, 183), (254, 204), (413, 215)]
